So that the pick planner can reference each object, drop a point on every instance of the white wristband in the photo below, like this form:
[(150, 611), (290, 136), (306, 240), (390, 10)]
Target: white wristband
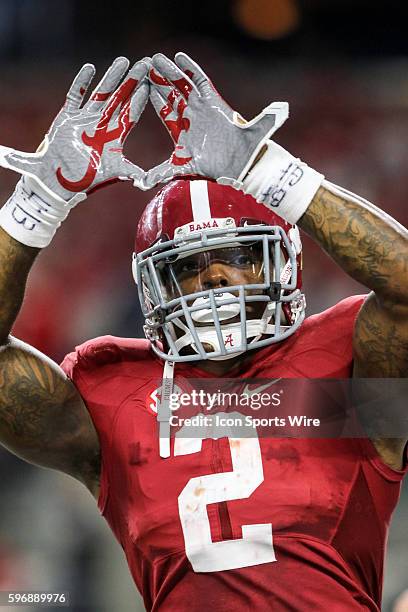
[(31, 219), (282, 183)]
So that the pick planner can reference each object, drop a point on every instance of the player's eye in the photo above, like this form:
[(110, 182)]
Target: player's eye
[(186, 266), (243, 261)]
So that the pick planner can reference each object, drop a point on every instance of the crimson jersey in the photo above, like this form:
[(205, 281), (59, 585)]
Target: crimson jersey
[(304, 530)]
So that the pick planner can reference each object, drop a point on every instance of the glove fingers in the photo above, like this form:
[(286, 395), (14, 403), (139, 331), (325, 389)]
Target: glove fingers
[(14, 160), (270, 119), (79, 87), (7, 157), (130, 171), (281, 112), (165, 94), (139, 101), (122, 107), (117, 108), (159, 174), (136, 88), (192, 69), (148, 61), (158, 100), (202, 82), (5, 153), (138, 72), (107, 84), (172, 73), (161, 105), (163, 173)]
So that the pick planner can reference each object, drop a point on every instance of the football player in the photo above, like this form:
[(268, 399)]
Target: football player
[(229, 523)]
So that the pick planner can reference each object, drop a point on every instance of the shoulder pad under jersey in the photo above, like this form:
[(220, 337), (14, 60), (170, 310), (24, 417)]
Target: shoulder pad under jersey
[(343, 313), (106, 350)]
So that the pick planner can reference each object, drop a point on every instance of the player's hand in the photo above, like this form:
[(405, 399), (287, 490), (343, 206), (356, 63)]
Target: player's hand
[(84, 146), (211, 139)]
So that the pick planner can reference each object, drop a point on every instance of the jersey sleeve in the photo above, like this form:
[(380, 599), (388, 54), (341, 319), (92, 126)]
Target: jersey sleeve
[(97, 368), (323, 346)]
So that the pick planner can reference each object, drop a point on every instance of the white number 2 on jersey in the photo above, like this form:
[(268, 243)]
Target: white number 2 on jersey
[(255, 546)]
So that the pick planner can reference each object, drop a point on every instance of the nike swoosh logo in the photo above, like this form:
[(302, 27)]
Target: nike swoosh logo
[(247, 391)]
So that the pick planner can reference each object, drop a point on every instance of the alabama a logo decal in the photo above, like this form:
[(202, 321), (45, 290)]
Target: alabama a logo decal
[(229, 341)]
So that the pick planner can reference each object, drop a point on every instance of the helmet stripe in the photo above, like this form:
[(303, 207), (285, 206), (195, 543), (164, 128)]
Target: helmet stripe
[(200, 202)]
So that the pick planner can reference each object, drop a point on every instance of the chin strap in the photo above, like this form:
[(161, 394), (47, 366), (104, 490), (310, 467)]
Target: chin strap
[(163, 409)]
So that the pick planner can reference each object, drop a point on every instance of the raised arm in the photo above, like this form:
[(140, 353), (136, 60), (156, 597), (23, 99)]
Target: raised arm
[(373, 249), (213, 140), (43, 418)]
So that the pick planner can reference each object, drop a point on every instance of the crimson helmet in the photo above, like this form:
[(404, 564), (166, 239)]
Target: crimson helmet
[(217, 273)]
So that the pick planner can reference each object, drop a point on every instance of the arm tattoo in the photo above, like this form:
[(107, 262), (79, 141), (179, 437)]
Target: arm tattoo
[(366, 242), (381, 351), (380, 342), (373, 249), (42, 416), (29, 390)]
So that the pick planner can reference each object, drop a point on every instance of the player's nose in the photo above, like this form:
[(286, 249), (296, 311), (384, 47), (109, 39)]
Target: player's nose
[(215, 276)]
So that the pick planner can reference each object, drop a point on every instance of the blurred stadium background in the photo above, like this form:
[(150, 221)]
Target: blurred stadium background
[(342, 66)]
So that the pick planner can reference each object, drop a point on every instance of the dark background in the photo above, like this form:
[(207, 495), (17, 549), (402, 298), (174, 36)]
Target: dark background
[(343, 68)]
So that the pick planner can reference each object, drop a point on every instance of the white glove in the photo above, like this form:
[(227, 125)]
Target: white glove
[(211, 138), (214, 141), (82, 150)]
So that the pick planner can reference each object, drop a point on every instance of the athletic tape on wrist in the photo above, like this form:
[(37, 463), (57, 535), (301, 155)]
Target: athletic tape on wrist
[(283, 183), (31, 219)]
